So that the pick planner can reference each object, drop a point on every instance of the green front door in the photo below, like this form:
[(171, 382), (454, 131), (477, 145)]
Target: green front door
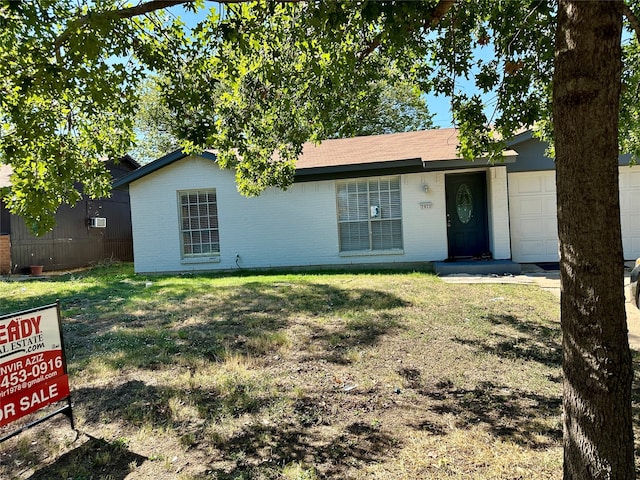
[(467, 225)]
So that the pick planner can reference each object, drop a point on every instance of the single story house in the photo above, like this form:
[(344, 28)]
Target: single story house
[(402, 199), (92, 231)]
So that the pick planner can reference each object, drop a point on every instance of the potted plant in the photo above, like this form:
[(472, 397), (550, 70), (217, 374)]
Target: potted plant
[(35, 269)]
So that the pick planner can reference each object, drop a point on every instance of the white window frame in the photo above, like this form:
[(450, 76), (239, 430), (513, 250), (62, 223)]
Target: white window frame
[(200, 228), (374, 213)]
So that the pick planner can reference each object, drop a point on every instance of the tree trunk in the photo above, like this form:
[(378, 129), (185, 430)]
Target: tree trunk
[(598, 430)]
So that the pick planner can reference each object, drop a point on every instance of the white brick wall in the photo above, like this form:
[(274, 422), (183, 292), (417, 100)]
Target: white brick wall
[(424, 217), (297, 227)]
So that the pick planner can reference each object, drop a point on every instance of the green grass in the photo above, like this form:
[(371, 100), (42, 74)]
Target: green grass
[(298, 376)]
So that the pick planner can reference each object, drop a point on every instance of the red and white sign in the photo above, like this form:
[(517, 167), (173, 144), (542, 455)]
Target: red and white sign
[(32, 367)]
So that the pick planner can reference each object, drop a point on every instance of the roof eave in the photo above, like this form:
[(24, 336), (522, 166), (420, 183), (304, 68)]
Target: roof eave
[(392, 167), (157, 165), (519, 138), (509, 156), (331, 172)]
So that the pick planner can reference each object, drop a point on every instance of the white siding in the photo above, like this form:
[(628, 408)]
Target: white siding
[(297, 227)]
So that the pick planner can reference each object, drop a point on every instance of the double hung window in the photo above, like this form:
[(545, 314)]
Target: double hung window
[(199, 223), (369, 214)]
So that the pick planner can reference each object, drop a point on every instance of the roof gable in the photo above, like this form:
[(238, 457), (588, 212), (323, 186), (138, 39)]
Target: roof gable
[(157, 165)]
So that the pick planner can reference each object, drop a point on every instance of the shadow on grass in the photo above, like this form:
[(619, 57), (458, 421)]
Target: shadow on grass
[(153, 323), (250, 319), (522, 416), (137, 403), (508, 413), (149, 320), (334, 342), (99, 295), (531, 341), (257, 448), (93, 459)]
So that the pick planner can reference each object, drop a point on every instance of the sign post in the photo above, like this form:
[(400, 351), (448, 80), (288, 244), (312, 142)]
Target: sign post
[(33, 368)]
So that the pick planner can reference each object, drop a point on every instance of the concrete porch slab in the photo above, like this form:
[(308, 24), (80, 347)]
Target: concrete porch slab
[(477, 267)]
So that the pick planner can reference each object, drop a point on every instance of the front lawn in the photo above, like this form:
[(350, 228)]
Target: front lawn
[(297, 376)]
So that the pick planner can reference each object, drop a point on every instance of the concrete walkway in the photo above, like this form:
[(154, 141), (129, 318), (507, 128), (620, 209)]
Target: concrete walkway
[(550, 281)]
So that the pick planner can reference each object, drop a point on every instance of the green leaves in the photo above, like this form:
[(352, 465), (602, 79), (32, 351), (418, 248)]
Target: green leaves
[(261, 78), (283, 74), (297, 72), (155, 124), (68, 95), (630, 109)]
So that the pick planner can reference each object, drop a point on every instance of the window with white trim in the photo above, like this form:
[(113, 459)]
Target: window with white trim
[(199, 223), (369, 214)]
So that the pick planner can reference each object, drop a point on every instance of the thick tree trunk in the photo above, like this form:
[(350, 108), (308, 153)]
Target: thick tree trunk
[(598, 433)]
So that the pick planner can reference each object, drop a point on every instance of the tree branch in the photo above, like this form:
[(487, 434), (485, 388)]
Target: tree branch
[(140, 9), (632, 18), (436, 17), (148, 7), (440, 11), (129, 12)]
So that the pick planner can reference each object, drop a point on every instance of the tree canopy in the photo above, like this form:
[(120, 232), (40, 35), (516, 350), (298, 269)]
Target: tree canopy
[(399, 106), (255, 79), (258, 79), (154, 125)]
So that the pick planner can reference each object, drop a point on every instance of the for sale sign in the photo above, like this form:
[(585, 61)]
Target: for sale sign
[(33, 373)]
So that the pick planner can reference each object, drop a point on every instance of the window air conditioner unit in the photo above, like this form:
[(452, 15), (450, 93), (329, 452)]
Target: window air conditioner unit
[(98, 222)]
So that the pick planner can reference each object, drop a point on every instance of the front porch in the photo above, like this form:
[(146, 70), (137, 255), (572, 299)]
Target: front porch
[(477, 267)]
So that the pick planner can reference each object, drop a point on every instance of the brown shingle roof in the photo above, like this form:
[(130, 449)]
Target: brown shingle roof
[(428, 145), (397, 152)]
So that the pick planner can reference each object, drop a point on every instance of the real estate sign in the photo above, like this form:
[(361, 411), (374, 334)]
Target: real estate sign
[(33, 373)]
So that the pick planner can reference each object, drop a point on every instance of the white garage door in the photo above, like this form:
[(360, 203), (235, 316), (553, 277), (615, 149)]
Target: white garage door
[(532, 215), (630, 211)]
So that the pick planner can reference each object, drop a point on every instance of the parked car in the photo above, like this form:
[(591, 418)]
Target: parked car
[(635, 291)]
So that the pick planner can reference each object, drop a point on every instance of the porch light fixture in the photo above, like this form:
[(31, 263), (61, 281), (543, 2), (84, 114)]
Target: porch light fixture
[(425, 187)]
